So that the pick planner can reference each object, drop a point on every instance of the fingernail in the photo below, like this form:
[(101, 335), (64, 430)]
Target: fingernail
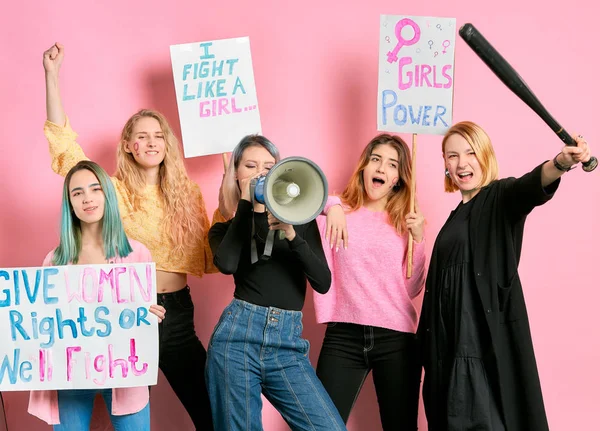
[(337, 249)]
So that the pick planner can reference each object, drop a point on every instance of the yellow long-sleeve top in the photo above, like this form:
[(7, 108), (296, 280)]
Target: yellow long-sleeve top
[(144, 224)]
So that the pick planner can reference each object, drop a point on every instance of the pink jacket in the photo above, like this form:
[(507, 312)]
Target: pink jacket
[(44, 404)]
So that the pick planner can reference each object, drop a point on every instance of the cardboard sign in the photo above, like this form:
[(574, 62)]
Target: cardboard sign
[(78, 327), (416, 74), (216, 95)]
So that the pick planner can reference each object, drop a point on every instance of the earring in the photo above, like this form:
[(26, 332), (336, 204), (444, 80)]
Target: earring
[(447, 173)]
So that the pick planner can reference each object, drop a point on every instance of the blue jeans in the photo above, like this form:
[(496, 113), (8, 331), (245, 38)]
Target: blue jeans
[(75, 411), (256, 350)]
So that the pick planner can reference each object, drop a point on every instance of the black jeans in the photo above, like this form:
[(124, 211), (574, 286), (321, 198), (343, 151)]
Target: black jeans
[(351, 351), (182, 357)]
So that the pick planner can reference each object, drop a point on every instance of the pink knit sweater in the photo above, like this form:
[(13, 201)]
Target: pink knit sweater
[(369, 284)]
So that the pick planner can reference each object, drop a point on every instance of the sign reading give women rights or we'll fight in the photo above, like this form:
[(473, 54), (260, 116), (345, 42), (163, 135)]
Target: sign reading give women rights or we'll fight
[(78, 327), (416, 74)]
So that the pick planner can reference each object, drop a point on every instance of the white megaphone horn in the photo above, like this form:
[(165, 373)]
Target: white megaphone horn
[(294, 190)]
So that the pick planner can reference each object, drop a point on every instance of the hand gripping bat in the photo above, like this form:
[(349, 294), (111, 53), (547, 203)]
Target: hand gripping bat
[(512, 80)]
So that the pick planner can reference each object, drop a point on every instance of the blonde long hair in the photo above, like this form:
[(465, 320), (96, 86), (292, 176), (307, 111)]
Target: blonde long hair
[(481, 144), (183, 222), (398, 204)]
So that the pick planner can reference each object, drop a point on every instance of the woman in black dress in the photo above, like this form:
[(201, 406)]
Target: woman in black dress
[(480, 370)]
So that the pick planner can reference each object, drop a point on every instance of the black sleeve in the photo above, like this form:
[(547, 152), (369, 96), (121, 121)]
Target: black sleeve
[(227, 239), (521, 195), (309, 252)]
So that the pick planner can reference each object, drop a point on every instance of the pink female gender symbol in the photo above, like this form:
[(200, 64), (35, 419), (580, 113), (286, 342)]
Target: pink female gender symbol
[(445, 44), (392, 56)]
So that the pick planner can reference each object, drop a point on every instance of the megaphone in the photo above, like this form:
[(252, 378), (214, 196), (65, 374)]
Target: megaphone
[(294, 190)]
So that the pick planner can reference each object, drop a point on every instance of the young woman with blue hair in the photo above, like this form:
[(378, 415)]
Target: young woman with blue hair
[(162, 208), (92, 233)]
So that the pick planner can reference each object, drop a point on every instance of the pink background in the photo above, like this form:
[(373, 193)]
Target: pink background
[(315, 64)]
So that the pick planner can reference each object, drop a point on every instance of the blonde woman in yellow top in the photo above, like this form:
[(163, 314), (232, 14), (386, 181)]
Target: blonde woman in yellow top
[(164, 210)]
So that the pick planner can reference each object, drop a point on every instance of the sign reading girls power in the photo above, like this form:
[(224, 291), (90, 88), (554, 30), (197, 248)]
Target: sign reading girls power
[(78, 327), (416, 74), (216, 95)]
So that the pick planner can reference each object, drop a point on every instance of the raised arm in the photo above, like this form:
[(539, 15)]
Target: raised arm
[(521, 195), (564, 161), (64, 149), (53, 58)]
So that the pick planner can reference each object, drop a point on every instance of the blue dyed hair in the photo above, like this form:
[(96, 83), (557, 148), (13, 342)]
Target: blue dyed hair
[(113, 235)]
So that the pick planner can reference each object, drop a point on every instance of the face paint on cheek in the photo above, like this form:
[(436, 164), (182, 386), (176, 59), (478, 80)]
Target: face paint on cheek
[(136, 148)]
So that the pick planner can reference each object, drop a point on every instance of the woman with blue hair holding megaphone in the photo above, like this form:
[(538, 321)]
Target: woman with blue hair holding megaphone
[(257, 346)]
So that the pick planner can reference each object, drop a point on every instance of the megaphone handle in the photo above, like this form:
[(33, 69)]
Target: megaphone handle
[(413, 192)]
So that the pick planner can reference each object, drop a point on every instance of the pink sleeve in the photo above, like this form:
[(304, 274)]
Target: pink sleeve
[(146, 256), (331, 201), (140, 252), (48, 259)]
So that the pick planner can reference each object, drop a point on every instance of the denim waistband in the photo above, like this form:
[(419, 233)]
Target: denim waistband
[(265, 311)]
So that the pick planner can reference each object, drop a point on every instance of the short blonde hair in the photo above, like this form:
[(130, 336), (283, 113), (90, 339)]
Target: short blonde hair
[(482, 146)]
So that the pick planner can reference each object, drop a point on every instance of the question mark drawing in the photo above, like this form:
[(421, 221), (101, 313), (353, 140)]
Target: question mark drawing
[(387, 39), (439, 27)]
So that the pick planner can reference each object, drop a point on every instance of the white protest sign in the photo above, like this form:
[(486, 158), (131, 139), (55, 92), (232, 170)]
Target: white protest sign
[(416, 74), (78, 327), (216, 94)]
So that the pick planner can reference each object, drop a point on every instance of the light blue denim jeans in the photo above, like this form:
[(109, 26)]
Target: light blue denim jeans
[(75, 411), (256, 350)]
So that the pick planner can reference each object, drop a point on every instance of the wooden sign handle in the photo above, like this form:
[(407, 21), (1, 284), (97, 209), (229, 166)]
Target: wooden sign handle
[(413, 193)]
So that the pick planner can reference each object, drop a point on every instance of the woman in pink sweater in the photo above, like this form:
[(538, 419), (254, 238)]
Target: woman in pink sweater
[(92, 233), (370, 316)]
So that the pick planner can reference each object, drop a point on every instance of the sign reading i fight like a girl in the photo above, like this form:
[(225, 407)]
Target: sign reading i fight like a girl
[(216, 95)]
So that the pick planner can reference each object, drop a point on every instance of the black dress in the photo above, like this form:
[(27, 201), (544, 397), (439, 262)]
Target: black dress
[(465, 399)]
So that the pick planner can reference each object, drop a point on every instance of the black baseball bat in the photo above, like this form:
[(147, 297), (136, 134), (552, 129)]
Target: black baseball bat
[(512, 80)]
